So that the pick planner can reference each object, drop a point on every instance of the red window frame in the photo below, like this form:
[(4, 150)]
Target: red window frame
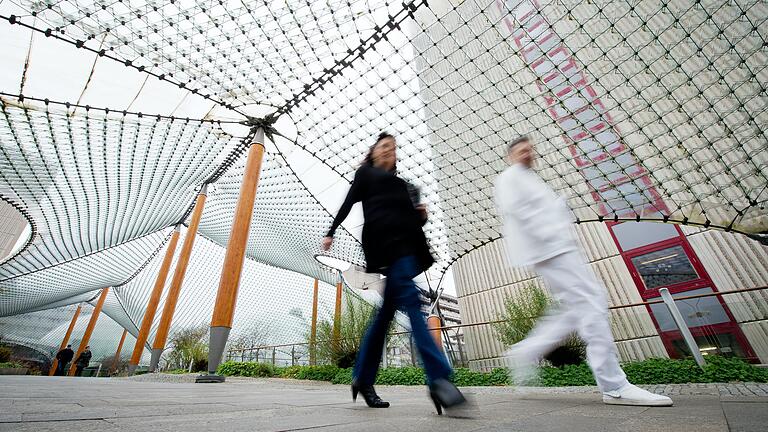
[(703, 281)]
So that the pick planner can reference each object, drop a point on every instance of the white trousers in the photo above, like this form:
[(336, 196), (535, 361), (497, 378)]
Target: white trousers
[(582, 308)]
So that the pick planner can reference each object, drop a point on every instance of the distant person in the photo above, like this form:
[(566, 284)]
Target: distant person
[(394, 245), (539, 232), (82, 361), (63, 358)]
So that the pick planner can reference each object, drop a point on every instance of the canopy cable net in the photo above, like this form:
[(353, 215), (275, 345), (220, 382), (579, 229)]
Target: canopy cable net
[(114, 114)]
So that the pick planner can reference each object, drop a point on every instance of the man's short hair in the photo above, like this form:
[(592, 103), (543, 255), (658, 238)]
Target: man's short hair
[(516, 141)]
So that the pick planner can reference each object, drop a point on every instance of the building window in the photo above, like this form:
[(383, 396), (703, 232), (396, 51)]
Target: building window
[(723, 344), (664, 267), (696, 312), (631, 235)]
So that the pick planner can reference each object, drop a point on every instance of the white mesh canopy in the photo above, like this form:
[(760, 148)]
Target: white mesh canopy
[(114, 114)]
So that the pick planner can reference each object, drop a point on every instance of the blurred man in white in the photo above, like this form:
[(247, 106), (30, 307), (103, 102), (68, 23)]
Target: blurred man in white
[(539, 232)]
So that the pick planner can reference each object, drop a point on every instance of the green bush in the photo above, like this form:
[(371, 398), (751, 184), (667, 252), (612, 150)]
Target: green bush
[(176, 371), (246, 369), (288, 372), (11, 365), (5, 354), (466, 377), (317, 373), (355, 319), (344, 376), (519, 317), (400, 376), (569, 375), (652, 371), (190, 345), (662, 371)]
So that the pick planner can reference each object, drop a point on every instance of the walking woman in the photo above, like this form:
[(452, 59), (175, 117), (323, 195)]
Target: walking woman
[(394, 245)]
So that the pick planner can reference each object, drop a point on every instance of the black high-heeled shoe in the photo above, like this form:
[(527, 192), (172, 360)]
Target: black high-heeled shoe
[(445, 395), (369, 394)]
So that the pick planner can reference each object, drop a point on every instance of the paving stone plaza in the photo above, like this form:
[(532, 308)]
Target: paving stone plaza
[(176, 403)]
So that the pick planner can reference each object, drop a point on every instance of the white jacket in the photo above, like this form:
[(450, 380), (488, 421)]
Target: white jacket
[(538, 224)]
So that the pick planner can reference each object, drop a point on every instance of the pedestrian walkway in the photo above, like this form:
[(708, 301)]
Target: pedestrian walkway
[(175, 403)]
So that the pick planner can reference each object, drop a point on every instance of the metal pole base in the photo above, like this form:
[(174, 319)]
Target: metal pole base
[(155, 359), (210, 379), (218, 341), (132, 369)]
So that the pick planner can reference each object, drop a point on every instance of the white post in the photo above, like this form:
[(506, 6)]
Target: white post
[(678, 317), (98, 371), (384, 356), (191, 361)]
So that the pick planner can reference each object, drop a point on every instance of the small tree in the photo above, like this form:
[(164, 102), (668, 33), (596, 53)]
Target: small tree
[(354, 321), (190, 344), (519, 317)]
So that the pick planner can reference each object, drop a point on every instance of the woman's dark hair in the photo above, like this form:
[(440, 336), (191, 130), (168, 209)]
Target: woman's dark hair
[(368, 161)]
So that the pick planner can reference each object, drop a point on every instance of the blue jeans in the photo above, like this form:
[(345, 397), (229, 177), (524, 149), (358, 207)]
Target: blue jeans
[(400, 292)]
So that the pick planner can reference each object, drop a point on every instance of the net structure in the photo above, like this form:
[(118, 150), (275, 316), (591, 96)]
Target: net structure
[(113, 114)]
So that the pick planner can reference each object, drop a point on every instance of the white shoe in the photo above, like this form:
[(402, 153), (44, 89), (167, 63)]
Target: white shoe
[(522, 372), (634, 395)]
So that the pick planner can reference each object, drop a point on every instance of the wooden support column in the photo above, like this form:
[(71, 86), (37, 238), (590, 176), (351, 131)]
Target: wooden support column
[(337, 313), (154, 301), (434, 325), (226, 297), (116, 363), (65, 341), (161, 337), (89, 329), (313, 331)]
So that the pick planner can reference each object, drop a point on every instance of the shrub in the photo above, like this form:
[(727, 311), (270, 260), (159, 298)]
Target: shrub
[(190, 344), (466, 377), (652, 371), (400, 376), (344, 376), (355, 317), (569, 375), (246, 369), (288, 372), (519, 316), (176, 371), (317, 373), (12, 365), (662, 371), (5, 354)]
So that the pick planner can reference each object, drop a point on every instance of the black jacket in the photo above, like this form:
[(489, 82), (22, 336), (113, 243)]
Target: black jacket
[(65, 356), (84, 358), (392, 227)]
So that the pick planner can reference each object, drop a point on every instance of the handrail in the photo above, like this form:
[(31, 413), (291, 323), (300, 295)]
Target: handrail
[(458, 326)]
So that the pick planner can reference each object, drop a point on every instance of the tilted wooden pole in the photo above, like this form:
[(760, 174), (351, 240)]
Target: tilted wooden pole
[(65, 341), (313, 331), (337, 312), (154, 301), (116, 363), (89, 329), (434, 325), (226, 297), (161, 337)]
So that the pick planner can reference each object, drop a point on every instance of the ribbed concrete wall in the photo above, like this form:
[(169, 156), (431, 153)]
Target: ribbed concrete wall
[(484, 281)]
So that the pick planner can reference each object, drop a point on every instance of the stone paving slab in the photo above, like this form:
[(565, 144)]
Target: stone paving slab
[(175, 403)]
